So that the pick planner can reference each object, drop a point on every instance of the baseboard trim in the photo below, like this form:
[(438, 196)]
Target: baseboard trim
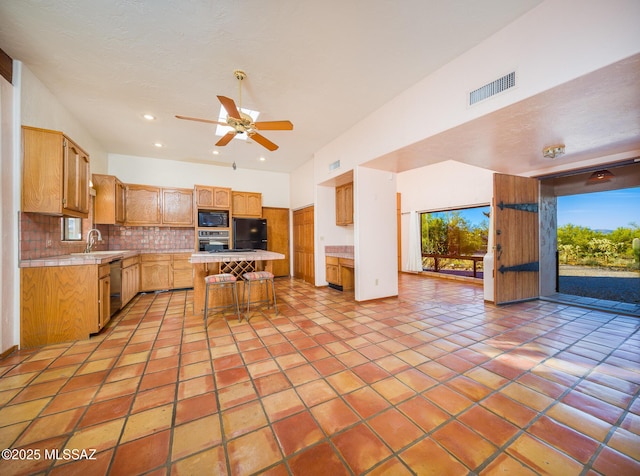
[(8, 352)]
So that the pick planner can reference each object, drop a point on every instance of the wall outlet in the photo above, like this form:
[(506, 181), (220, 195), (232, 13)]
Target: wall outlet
[(376, 281)]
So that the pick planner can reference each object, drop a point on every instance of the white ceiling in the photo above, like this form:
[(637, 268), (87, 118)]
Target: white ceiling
[(596, 116), (324, 65)]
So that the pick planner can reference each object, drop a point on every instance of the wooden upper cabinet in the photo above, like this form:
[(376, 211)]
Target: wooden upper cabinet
[(55, 174), (213, 197), (144, 205), (177, 207), (344, 204), (76, 180), (155, 206), (110, 200), (247, 204)]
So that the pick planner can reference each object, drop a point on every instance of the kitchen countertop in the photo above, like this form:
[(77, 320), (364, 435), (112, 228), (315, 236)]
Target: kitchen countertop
[(339, 251), (340, 255), (225, 257), (95, 257)]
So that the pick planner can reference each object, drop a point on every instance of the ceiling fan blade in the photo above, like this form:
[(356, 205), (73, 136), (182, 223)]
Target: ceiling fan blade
[(208, 121), (229, 106), (225, 139), (274, 126), (263, 141)]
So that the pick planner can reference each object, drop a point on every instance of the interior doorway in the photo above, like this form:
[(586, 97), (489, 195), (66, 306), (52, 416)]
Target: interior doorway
[(591, 221), (596, 258)]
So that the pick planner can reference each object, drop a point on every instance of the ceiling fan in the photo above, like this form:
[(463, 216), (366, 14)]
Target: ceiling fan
[(243, 123)]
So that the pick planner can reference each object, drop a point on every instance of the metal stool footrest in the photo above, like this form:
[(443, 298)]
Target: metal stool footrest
[(223, 280), (258, 277)]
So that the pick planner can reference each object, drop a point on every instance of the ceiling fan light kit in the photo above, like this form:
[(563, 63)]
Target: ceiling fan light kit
[(242, 123)]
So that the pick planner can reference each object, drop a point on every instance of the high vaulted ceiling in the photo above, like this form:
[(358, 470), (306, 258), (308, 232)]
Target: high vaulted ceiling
[(323, 65)]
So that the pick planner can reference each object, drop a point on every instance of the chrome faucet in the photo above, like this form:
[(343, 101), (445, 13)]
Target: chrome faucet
[(90, 239)]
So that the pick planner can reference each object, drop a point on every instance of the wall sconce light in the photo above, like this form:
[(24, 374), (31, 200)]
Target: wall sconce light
[(553, 151), (600, 176)]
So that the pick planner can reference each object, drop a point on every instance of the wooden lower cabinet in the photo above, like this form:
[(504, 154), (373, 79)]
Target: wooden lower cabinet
[(104, 297), (162, 271), (62, 303), (130, 279), (182, 271), (340, 272), (156, 273), (333, 271)]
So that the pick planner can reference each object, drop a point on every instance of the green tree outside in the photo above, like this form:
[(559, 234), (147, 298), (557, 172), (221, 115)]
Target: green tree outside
[(578, 245)]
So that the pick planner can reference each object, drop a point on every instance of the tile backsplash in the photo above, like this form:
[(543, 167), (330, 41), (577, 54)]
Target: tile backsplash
[(343, 249), (41, 237), (150, 238)]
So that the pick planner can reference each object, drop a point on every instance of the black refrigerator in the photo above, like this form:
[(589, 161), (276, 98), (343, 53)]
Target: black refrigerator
[(250, 233)]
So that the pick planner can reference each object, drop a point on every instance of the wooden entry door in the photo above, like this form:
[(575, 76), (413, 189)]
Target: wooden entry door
[(516, 254), (303, 249)]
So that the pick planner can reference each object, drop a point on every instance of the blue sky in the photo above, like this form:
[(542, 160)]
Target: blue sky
[(598, 210), (601, 210)]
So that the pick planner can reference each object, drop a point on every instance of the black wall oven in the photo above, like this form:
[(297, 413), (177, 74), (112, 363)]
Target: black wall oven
[(213, 240)]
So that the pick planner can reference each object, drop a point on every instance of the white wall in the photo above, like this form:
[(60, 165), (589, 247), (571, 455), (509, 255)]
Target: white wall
[(441, 186), (29, 103), (375, 241), (274, 186), (556, 42), (40, 108), (302, 186), (448, 184), (9, 200)]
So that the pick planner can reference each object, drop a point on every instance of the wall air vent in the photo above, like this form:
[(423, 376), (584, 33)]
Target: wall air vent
[(334, 165), (493, 88)]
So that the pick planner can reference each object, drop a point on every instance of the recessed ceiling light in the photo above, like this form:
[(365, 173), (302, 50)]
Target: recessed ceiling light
[(159, 144), (215, 152), (262, 159), (149, 117)]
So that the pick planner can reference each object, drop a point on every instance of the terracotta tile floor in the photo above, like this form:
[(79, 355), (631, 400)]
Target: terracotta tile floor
[(432, 382)]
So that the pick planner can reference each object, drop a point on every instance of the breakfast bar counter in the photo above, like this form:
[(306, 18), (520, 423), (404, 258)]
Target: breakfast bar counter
[(233, 262), (234, 256)]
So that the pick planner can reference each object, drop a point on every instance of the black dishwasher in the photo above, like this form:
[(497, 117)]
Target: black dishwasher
[(116, 285)]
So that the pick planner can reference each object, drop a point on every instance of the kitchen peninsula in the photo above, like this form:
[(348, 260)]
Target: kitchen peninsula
[(233, 262)]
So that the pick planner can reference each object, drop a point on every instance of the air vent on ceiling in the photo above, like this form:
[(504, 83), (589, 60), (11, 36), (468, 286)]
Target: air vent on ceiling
[(493, 88)]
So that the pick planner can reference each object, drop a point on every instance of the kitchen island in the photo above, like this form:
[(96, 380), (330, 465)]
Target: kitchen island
[(233, 262)]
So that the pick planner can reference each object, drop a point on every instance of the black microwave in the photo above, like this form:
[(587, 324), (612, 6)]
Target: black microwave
[(211, 218)]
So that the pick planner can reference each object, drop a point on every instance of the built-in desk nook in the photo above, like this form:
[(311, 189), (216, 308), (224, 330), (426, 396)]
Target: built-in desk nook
[(340, 269), (233, 262)]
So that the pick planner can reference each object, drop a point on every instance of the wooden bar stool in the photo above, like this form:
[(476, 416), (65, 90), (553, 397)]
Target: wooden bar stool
[(259, 277), (224, 280)]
